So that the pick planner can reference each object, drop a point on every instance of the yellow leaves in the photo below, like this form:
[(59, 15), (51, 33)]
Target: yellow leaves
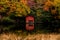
[(21, 8), (18, 14), (27, 8), (38, 13), (25, 5), (57, 2), (2, 10), (18, 9), (21, 11)]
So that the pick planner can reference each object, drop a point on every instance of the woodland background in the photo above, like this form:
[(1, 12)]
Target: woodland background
[(12, 15)]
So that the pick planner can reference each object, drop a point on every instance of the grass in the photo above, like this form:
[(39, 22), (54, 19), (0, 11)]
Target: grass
[(23, 36)]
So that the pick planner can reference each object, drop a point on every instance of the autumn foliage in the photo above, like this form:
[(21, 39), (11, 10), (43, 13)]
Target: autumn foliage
[(43, 12)]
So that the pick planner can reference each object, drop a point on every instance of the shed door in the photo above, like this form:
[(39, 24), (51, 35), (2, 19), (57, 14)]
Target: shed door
[(29, 23)]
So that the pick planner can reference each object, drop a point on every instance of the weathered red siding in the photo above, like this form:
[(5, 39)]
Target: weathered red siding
[(29, 19)]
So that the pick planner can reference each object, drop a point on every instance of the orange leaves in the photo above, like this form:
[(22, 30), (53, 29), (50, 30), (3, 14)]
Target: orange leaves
[(47, 5), (12, 8), (24, 2), (46, 8)]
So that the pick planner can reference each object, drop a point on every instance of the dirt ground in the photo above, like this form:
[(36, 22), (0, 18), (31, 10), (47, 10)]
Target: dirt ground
[(12, 36)]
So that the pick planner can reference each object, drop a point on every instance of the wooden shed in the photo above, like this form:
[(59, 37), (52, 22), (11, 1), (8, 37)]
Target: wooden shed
[(29, 23)]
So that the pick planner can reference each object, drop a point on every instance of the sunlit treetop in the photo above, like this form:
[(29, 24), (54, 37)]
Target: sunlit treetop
[(24, 1), (49, 3), (57, 2), (23, 8), (20, 8)]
